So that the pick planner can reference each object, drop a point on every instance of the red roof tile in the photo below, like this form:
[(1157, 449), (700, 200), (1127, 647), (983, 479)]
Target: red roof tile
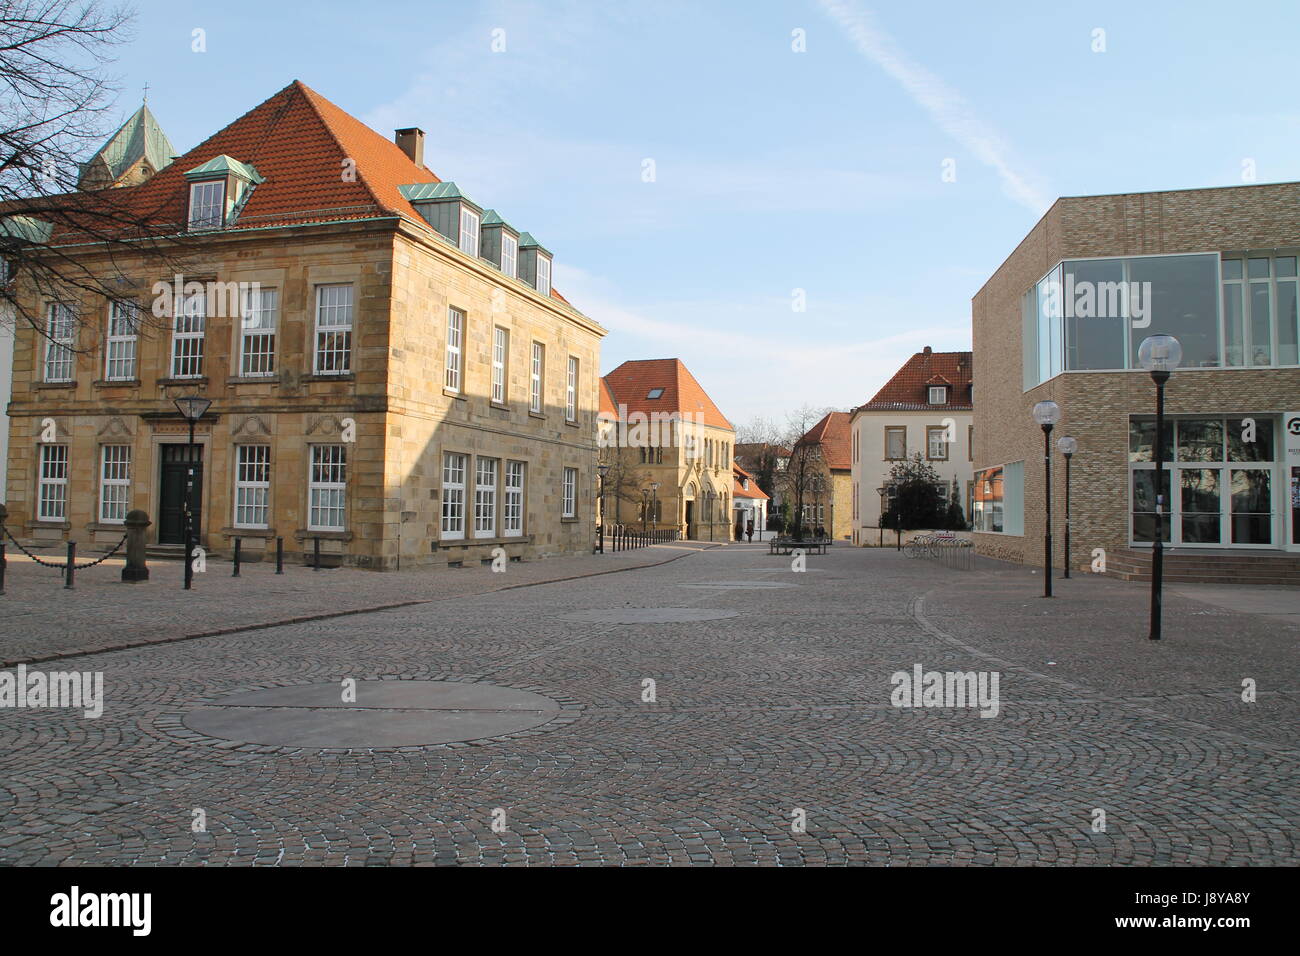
[(907, 390), (632, 381), (298, 141), (608, 407), (832, 434)]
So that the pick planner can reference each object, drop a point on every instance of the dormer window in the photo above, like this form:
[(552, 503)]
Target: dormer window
[(509, 255), (543, 275), (938, 395), (469, 231), (208, 204), (219, 190), (655, 393)]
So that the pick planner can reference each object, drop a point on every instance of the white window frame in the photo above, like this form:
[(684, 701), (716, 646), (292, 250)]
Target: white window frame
[(207, 205), (888, 430), (455, 349), (500, 354), (327, 487), (543, 274), (512, 511), (454, 465), (334, 322), (259, 325), (536, 378), (469, 231), (121, 341), (510, 259), (189, 326), (571, 391), (486, 472), (942, 393), (569, 504), (114, 483), (252, 486), (942, 432), (52, 483), (61, 332)]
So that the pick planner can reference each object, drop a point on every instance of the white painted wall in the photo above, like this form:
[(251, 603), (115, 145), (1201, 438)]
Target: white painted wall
[(871, 468)]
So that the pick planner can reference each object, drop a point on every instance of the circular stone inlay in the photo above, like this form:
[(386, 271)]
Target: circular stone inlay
[(649, 615), (740, 585), (386, 713)]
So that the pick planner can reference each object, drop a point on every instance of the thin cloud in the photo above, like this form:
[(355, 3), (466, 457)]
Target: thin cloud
[(945, 105)]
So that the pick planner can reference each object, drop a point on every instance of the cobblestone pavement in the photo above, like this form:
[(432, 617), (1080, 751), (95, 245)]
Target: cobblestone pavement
[(43, 620), (780, 711)]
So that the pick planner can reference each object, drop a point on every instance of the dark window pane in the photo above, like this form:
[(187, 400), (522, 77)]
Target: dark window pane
[(1252, 491), (1252, 529), (1232, 268), (1200, 529), (1239, 449), (1257, 268), (1200, 439), (1184, 293), (1095, 340), (1285, 266), (1142, 437)]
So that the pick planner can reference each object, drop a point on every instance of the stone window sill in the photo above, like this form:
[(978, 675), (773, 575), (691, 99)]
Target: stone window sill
[(454, 393), (253, 380), (477, 542), (47, 526), (54, 385), (200, 382), (342, 377), (303, 534), (116, 383), (267, 533)]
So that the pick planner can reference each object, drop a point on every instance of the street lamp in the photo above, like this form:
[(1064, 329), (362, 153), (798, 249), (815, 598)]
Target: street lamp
[(192, 408), (654, 503), (645, 507), (1068, 447), (881, 520), (1159, 355), (602, 470), (1047, 414)]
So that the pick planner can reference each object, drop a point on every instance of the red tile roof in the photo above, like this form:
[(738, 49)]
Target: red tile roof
[(298, 141), (608, 407), (832, 434), (907, 390), (632, 381)]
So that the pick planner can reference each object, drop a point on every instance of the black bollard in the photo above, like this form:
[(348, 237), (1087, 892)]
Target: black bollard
[(2, 567), (235, 573), (316, 552), (72, 565), (279, 555)]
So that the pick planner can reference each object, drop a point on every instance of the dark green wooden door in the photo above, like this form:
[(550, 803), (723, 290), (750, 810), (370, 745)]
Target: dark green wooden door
[(178, 461)]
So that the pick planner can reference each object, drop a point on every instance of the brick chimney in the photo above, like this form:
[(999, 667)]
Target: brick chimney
[(411, 142), (927, 350)]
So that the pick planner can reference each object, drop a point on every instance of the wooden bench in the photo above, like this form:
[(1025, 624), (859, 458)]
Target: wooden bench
[(789, 545)]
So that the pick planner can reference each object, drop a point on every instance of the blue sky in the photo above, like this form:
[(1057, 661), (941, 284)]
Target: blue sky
[(774, 170)]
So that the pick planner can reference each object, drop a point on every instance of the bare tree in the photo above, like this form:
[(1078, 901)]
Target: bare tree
[(55, 103)]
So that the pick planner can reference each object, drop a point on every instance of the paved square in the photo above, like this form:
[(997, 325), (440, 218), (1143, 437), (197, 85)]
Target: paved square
[(780, 706)]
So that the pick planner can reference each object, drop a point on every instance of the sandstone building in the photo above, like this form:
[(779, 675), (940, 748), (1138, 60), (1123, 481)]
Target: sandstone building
[(390, 369)]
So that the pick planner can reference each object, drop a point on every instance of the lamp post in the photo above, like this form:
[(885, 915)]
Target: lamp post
[(1159, 355), (192, 408), (1047, 414), (881, 520), (602, 470), (645, 507), (654, 503), (712, 497), (1068, 447)]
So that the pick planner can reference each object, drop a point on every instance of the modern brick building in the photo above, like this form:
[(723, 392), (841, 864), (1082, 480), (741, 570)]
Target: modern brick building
[(926, 409), (389, 368), (1062, 320)]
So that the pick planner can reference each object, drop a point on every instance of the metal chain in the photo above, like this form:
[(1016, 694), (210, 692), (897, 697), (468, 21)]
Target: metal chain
[(64, 566)]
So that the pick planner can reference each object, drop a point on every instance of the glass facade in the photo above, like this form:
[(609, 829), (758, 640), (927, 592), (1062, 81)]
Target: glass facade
[(1227, 312), (1222, 474)]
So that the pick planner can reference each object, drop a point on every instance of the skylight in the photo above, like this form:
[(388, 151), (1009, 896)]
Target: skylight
[(655, 393)]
